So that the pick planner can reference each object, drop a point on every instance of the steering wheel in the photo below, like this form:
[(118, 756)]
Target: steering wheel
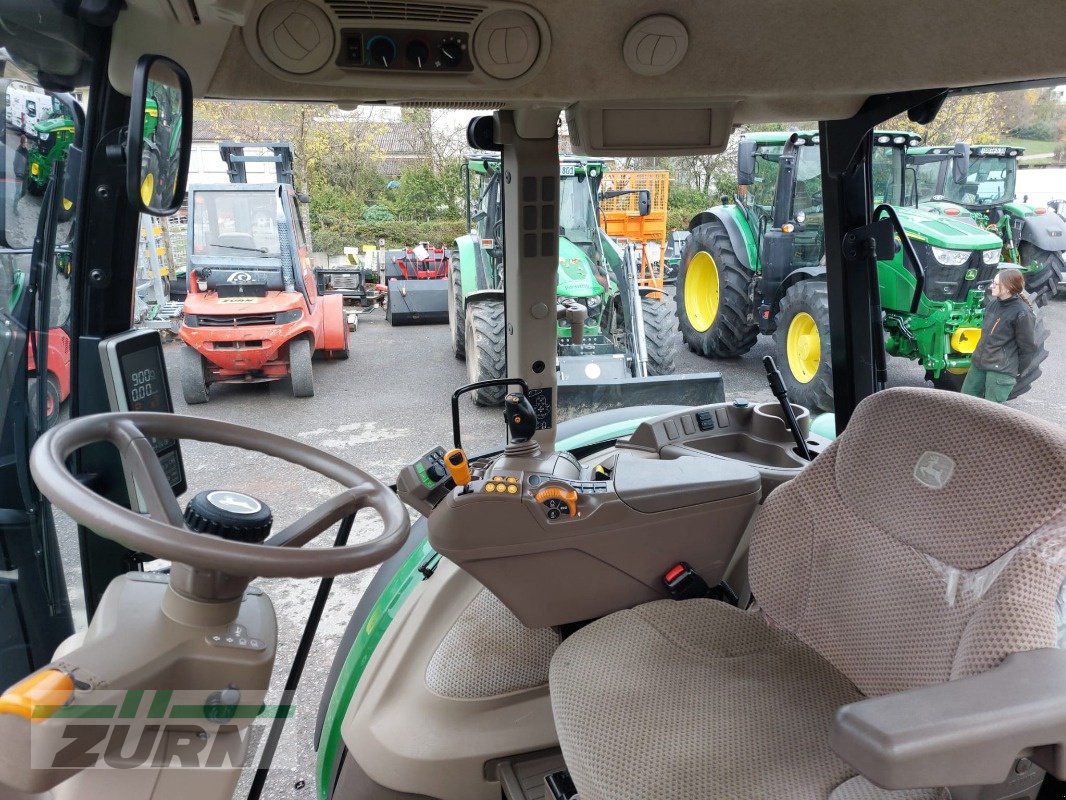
[(163, 533)]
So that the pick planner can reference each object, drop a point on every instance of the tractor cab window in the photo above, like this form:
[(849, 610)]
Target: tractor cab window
[(887, 168), (990, 181), (577, 210), (235, 224), (809, 237), (929, 179), (762, 192)]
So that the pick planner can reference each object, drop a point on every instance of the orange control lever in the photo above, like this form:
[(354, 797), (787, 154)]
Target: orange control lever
[(457, 465), (39, 695), (567, 496)]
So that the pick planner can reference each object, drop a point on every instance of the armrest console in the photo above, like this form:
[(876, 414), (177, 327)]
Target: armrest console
[(964, 732)]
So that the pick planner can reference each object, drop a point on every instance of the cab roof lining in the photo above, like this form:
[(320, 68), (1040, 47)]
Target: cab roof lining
[(769, 60)]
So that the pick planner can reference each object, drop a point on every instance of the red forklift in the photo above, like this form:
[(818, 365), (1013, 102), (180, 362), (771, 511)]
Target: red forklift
[(253, 312)]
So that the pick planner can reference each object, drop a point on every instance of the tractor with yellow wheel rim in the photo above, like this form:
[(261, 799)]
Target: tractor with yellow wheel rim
[(757, 266)]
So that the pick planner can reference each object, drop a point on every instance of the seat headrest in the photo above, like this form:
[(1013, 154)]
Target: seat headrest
[(955, 477)]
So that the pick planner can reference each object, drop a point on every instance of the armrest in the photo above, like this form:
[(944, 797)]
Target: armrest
[(964, 732)]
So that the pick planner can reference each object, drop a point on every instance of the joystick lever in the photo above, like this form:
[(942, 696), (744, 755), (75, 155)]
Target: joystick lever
[(458, 467), (520, 416)]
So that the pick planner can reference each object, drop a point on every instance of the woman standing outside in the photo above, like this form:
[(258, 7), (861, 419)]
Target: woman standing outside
[(1008, 340)]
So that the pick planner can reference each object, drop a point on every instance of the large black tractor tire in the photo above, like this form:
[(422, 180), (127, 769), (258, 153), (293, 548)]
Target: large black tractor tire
[(1043, 283), (52, 402), (714, 304), (802, 344), (301, 373), (486, 349), (456, 317), (660, 334), (1034, 370), (193, 381)]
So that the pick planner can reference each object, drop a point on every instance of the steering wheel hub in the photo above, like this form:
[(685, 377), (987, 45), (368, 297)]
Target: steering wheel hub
[(231, 515)]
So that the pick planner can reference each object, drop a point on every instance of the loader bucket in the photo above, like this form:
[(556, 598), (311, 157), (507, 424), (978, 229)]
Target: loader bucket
[(580, 396), (418, 302)]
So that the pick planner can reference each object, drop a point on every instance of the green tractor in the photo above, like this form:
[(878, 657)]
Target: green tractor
[(977, 183), (757, 266), (616, 339), (54, 137)]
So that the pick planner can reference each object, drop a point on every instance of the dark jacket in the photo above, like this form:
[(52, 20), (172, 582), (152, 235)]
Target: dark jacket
[(18, 163), (1008, 337)]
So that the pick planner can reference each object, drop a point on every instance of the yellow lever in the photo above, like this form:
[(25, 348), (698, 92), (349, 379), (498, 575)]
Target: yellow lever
[(457, 465), (39, 695)]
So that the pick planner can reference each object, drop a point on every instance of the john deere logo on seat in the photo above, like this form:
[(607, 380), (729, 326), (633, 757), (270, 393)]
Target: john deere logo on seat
[(933, 470)]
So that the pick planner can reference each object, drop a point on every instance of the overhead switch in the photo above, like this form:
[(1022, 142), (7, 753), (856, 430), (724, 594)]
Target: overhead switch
[(655, 45), (507, 44)]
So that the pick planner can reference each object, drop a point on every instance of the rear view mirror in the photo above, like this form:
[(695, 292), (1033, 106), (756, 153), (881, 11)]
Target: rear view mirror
[(159, 137), (746, 163), (960, 162), (644, 202)]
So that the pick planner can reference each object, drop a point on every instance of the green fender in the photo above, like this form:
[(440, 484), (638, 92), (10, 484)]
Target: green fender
[(468, 259), (388, 606), (740, 233)]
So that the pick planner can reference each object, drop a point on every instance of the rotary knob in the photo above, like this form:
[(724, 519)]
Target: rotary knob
[(382, 51), (235, 516), (557, 501)]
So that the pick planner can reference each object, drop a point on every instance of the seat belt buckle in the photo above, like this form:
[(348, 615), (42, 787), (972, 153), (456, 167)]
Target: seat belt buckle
[(684, 583)]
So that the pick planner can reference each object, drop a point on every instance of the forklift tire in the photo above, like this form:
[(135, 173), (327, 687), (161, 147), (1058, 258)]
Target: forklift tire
[(714, 302), (486, 349), (802, 344), (52, 402), (345, 352), (300, 371), (193, 382), (456, 317), (660, 334)]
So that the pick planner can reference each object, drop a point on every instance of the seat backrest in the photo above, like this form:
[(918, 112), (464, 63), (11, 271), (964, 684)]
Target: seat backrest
[(926, 544)]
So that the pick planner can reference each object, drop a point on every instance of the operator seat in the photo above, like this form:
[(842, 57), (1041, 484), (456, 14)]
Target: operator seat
[(923, 546)]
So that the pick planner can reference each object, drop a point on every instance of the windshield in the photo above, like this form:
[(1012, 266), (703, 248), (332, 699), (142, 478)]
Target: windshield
[(577, 210), (989, 181), (235, 224)]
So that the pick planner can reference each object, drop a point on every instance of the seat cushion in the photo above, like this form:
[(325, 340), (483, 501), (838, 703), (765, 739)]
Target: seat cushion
[(696, 699)]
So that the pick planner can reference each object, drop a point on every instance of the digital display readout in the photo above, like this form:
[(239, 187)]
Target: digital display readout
[(142, 382)]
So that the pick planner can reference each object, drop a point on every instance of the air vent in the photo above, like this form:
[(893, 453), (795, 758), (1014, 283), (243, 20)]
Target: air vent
[(447, 13), (460, 105)]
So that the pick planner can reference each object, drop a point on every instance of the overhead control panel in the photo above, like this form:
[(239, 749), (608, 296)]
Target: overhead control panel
[(396, 49), (364, 42)]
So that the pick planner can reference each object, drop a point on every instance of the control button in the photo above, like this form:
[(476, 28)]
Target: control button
[(437, 471), (490, 487), (671, 429), (512, 489), (512, 479), (688, 425), (535, 480), (705, 420), (722, 416), (559, 500)]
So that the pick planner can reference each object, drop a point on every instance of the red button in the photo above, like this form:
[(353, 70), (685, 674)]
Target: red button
[(674, 573)]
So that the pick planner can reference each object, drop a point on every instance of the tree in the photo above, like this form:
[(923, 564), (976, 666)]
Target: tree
[(972, 118)]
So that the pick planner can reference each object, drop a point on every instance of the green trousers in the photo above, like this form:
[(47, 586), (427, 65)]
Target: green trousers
[(994, 386)]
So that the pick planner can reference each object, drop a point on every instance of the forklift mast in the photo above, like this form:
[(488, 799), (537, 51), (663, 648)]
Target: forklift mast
[(280, 154)]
